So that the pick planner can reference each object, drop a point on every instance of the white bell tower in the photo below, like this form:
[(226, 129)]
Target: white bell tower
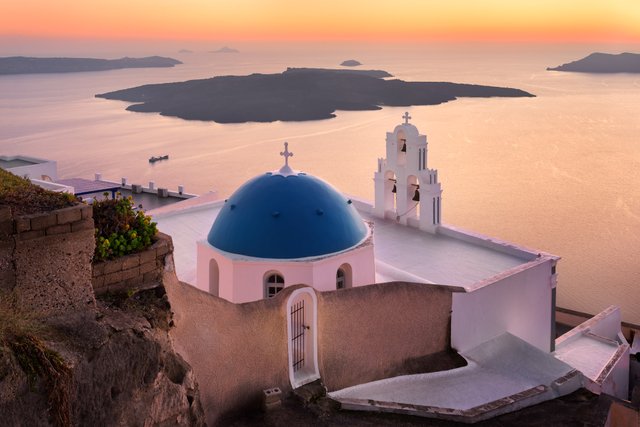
[(405, 189)]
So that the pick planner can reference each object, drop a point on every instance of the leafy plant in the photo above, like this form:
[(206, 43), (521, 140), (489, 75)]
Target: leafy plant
[(121, 229)]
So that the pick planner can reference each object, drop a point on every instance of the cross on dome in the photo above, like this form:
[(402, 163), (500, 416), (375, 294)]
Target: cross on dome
[(406, 117), (286, 154)]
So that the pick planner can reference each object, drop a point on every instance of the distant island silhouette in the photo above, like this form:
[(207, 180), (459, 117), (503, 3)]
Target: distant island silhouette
[(603, 63), (30, 65), (185, 51), (350, 63), (379, 74), (225, 49), (294, 95)]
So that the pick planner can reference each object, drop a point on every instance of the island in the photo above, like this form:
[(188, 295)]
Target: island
[(380, 74), (603, 63), (185, 51), (30, 65), (350, 63), (225, 49), (293, 95)]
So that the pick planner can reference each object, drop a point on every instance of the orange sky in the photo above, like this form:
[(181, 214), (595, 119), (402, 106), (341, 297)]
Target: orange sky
[(500, 20)]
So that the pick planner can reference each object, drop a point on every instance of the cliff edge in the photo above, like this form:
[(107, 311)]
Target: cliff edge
[(69, 358)]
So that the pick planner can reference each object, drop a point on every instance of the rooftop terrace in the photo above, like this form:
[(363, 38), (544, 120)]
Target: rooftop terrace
[(402, 253)]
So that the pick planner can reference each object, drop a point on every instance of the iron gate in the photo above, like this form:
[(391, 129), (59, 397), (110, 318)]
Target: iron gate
[(298, 330)]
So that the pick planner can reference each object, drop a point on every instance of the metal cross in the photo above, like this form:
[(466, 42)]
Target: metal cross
[(406, 117), (286, 154)]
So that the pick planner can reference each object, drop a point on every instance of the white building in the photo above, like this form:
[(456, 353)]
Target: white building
[(286, 228)]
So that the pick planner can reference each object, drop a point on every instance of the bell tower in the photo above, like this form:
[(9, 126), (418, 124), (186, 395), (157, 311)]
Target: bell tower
[(405, 189)]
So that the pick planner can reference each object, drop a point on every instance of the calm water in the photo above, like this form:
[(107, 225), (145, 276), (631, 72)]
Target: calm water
[(559, 172)]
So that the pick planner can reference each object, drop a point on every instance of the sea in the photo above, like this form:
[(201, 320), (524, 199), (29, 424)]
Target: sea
[(559, 172)]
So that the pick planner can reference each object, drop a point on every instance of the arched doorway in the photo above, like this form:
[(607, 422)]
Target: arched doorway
[(214, 278), (302, 334)]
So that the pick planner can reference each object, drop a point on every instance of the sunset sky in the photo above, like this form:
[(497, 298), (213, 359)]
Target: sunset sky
[(357, 20)]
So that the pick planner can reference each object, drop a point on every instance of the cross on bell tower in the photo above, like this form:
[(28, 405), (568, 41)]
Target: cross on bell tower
[(406, 117)]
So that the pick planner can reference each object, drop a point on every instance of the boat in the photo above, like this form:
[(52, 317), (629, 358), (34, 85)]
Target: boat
[(154, 159)]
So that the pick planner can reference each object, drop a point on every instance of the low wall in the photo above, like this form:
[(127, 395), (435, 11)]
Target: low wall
[(376, 331), (133, 271), (235, 350), (365, 333), (514, 299), (51, 250)]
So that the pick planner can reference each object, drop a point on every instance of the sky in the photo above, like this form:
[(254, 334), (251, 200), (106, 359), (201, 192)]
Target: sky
[(331, 20)]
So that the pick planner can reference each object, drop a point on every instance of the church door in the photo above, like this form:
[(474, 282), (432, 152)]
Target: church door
[(298, 332), (303, 336)]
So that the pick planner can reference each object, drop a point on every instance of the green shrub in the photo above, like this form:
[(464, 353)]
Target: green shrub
[(120, 229), (26, 198)]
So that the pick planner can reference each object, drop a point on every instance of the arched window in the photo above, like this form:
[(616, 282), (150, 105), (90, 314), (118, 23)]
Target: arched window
[(340, 279), (214, 277), (273, 283), (344, 276)]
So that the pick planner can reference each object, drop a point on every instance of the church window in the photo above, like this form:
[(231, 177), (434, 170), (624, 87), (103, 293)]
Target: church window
[(340, 279), (344, 276), (273, 283)]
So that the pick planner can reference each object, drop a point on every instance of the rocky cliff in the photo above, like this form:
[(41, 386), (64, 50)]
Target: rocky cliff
[(69, 359)]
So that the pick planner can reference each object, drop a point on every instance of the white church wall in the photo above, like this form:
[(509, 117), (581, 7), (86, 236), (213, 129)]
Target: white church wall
[(361, 261), (203, 254), (248, 277), (242, 281), (519, 303)]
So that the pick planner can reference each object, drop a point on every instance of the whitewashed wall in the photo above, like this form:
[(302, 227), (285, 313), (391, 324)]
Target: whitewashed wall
[(519, 304), (243, 281)]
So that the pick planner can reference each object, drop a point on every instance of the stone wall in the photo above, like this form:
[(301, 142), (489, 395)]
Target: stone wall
[(379, 331), (45, 259), (134, 271), (235, 350), (365, 333)]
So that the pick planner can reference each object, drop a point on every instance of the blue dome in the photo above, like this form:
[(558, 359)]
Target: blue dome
[(286, 217)]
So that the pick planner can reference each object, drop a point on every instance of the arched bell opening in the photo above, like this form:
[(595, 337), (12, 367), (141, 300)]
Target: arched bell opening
[(413, 197), (401, 144), (390, 191)]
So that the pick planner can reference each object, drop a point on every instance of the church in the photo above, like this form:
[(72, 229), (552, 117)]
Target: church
[(289, 237), (287, 227)]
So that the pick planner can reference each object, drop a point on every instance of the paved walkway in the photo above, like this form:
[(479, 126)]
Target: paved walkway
[(498, 369)]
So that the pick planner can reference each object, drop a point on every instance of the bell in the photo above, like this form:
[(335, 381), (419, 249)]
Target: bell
[(393, 190), (404, 148), (416, 196)]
